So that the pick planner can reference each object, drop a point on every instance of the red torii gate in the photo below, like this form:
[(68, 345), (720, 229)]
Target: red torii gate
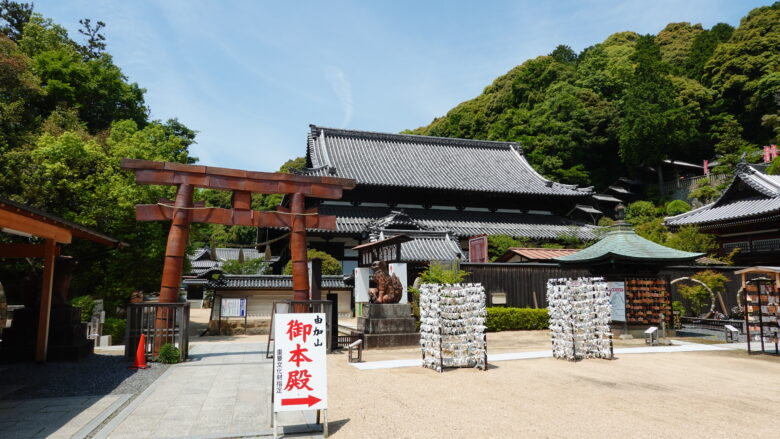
[(243, 184)]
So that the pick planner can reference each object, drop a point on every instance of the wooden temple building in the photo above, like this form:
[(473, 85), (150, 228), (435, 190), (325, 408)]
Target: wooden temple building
[(47, 328), (438, 191), (746, 217)]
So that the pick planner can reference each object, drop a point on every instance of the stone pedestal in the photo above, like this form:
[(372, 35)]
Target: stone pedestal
[(387, 325)]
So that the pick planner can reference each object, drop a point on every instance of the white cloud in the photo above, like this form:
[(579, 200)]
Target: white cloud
[(342, 89)]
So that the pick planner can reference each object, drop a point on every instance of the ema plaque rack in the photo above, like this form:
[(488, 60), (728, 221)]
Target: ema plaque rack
[(452, 326), (580, 315), (762, 310)]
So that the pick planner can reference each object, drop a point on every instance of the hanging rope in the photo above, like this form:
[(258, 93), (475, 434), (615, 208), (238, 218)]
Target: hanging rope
[(204, 208)]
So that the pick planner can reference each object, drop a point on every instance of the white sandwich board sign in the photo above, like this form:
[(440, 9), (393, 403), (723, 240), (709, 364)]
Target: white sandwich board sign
[(300, 375)]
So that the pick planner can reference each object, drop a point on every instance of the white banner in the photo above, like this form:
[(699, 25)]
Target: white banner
[(300, 374), (361, 284), (399, 269), (617, 298)]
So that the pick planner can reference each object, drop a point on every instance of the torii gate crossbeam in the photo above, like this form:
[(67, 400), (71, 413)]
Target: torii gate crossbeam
[(243, 184)]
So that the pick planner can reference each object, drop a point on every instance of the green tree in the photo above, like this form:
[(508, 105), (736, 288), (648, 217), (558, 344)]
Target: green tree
[(676, 42), (653, 122), (563, 54), (677, 207), (14, 16), (640, 212), (703, 47), (690, 239), (251, 266), (745, 70), (330, 265), (499, 244)]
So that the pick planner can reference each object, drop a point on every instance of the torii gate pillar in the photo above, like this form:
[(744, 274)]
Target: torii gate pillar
[(177, 244)]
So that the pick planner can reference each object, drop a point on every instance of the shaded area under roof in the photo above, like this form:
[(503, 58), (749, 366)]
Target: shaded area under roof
[(622, 244), (262, 282), (462, 224), (403, 160)]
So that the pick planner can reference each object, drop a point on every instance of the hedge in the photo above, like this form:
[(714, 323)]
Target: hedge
[(508, 319), (116, 329)]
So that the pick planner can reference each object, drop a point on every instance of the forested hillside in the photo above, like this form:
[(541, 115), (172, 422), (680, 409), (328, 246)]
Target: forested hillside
[(687, 93), (67, 116)]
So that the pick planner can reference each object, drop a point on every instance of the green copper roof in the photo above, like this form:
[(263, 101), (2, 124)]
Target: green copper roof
[(622, 244)]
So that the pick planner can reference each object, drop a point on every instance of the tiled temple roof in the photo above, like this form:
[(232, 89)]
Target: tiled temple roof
[(750, 196), (403, 160)]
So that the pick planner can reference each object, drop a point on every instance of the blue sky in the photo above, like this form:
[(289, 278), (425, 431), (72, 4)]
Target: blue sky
[(250, 76)]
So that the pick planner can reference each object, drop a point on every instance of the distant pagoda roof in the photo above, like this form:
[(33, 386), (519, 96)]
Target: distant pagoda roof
[(403, 160), (751, 197), (622, 244)]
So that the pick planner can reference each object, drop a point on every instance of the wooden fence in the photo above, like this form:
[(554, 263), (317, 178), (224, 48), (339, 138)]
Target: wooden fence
[(143, 318), (525, 285)]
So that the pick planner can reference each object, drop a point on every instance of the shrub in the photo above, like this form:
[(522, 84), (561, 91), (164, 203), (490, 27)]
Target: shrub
[(330, 265), (640, 212), (115, 328), (677, 207), (87, 305), (503, 319), (436, 274), (169, 354)]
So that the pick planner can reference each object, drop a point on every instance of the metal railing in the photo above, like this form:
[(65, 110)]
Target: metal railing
[(714, 324), (160, 323)]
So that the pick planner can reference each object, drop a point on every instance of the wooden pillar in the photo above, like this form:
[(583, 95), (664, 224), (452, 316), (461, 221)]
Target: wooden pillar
[(298, 248), (177, 245), (44, 312)]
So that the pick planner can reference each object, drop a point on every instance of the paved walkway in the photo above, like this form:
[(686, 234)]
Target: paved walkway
[(55, 418), (222, 391), (677, 346)]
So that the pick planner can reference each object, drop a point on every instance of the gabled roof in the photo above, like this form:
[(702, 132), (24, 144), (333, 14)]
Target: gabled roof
[(426, 246), (750, 196), (622, 244), (536, 254), (356, 220), (403, 160), (606, 197), (35, 219), (201, 260)]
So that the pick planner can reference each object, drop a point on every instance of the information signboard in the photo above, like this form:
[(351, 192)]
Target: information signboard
[(300, 376), (617, 298), (233, 307), (478, 248)]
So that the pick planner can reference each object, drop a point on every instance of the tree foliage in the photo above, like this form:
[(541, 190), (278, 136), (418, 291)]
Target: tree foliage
[(251, 266), (330, 265), (68, 115)]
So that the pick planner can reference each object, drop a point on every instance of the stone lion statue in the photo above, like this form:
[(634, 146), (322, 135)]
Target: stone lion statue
[(388, 288)]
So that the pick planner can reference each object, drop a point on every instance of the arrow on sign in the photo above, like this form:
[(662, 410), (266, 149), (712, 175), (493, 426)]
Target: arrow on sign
[(310, 400)]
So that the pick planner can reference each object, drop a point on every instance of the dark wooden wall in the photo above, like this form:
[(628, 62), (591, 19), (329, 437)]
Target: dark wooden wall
[(520, 282)]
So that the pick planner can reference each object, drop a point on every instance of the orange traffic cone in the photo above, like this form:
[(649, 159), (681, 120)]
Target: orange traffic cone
[(140, 355)]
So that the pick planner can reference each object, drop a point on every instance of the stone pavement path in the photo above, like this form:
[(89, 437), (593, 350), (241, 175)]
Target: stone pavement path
[(66, 417), (222, 391)]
